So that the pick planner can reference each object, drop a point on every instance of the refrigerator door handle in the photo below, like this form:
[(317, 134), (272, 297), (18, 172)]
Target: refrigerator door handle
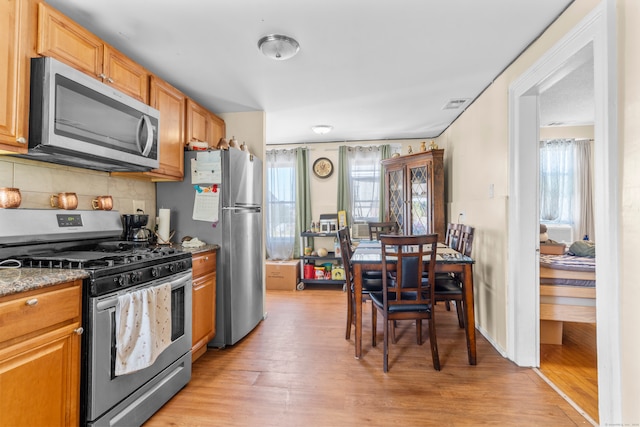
[(241, 209)]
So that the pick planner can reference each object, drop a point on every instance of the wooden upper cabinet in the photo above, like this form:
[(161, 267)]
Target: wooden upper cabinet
[(197, 122), (172, 104), (17, 19), (218, 129), (203, 125), (128, 76), (61, 38)]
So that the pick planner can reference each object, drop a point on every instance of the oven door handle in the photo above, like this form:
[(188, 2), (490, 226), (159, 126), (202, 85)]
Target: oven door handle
[(111, 302)]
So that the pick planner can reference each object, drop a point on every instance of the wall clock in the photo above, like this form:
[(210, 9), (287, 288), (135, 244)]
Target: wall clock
[(323, 168)]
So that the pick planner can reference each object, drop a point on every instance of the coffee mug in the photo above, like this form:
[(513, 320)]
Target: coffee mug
[(102, 203), (64, 201)]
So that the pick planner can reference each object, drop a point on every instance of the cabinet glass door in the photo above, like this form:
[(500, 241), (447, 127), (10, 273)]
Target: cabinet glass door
[(396, 197), (421, 203)]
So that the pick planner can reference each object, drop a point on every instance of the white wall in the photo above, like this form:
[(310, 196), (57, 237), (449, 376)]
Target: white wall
[(476, 163), (248, 127), (324, 192), (629, 143)]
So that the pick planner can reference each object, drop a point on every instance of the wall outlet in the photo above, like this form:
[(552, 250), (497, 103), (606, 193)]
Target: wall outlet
[(138, 205), (461, 216)]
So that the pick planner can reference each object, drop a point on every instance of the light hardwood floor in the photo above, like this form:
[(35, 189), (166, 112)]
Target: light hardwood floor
[(573, 366), (296, 369)]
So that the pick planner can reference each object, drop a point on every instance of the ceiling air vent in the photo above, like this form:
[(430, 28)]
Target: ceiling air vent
[(454, 104)]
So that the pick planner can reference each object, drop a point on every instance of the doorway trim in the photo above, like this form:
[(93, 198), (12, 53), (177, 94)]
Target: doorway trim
[(523, 292)]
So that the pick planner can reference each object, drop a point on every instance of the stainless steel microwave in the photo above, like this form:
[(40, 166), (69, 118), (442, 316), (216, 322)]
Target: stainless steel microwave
[(79, 121)]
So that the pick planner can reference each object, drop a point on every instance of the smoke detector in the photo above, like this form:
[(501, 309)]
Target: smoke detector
[(455, 103)]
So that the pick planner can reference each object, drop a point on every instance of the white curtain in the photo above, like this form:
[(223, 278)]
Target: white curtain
[(281, 203), (364, 170), (584, 190), (566, 185)]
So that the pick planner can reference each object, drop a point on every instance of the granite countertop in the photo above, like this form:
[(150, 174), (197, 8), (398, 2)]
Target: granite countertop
[(16, 280), (200, 249)]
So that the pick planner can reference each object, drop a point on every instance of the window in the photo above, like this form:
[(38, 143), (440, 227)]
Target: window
[(281, 203), (566, 189), (557, 162), (364, 171)]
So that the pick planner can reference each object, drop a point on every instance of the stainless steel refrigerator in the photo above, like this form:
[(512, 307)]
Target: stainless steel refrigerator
[(238, 231)]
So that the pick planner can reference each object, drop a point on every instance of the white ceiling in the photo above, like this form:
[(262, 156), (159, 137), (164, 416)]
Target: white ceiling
[(373, 70)]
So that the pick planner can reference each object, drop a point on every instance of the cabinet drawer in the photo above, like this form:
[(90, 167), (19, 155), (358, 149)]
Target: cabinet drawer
[(28, 314), (204, 263)]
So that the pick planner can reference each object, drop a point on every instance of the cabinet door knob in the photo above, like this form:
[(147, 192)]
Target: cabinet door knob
[(102, 75), (31, 302), (21, 140), (110, 80), (79, 331)]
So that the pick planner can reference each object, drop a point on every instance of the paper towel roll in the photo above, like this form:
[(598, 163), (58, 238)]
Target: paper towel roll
[(164, 226)]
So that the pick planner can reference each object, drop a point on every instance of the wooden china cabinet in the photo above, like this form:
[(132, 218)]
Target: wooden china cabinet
[(414, 192)]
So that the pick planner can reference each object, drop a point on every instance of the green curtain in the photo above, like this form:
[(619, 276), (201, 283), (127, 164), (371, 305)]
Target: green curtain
[(303, 197), (344, 196), (385, 153)]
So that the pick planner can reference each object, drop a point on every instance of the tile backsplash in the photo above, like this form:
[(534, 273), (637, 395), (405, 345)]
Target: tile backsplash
[(37, 181)]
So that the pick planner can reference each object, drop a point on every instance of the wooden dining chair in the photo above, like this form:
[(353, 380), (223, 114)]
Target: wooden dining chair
[(465, 243), (378, 228), (368, 284), (449, 286), (407, 295), (453, 234)]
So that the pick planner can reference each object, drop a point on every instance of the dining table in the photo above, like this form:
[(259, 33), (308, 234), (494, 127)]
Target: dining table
[(367, 256)]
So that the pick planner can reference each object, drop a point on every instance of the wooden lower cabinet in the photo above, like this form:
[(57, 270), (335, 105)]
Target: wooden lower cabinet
[(40, 356), (203, 302)]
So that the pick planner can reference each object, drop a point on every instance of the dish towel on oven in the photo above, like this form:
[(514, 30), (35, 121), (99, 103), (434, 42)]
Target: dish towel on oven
[(143, 327)]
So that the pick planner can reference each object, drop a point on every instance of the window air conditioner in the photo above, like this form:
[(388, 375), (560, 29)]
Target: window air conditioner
[(360, 231), (560, 233)]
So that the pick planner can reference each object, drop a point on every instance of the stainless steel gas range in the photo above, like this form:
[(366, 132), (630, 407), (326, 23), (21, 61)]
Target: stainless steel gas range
[(118, 271)]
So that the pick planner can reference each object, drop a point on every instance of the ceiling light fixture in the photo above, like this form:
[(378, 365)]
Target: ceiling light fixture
[(321, 129), (278, 47)]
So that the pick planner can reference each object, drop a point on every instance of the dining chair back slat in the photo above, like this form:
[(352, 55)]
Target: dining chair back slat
[(378, 228)]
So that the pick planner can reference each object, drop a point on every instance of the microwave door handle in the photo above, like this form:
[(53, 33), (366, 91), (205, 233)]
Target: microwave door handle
[(142, 123)]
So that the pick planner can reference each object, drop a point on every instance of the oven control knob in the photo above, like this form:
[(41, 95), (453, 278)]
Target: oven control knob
[(121, 280), (155, 272), (172, 268), (134, 277)]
